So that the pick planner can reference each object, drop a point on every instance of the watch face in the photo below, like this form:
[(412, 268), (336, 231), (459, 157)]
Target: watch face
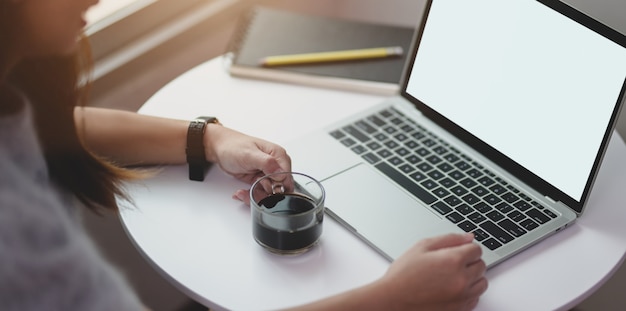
[(208, 120)]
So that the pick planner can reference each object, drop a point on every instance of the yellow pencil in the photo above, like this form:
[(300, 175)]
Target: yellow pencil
[(332, 56)]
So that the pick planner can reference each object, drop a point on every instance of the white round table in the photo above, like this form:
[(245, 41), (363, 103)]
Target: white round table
[(200, 239)]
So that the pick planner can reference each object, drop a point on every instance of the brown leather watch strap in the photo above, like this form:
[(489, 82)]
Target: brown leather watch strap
[(196, 157)]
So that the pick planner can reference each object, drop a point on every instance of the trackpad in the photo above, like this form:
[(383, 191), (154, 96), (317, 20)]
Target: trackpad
[(380, 212)]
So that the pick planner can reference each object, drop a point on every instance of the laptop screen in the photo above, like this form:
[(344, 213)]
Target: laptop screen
[(531, 87)]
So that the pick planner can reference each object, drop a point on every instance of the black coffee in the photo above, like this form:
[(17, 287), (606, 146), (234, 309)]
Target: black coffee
[(298, 232)]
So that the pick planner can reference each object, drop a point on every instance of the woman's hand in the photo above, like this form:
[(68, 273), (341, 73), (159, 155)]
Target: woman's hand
[(439, 273), (245, 157)]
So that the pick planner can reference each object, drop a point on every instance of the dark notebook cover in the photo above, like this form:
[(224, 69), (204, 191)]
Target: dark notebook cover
[(266, 32)]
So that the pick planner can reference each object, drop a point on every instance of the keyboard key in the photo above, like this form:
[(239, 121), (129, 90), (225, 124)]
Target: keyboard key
[(495, 216), (386, 113), (396, 161), (468, 183), (455, 217), (522, 205), (401, 137), (429, 184), (434, 159), (441, 192), (390, 130), (476, 217), (510, 197), (418, 176), (464, 209), (402, 151), (406, 168), (482, 207), (447, 182), (492, 199), (374, 145), (407, 128), (480, 191), (512, 228), (380, 136), (474, 173), (516, 216), (422, 151), (491, 244), (354, 132), (384, 153), (442, 208), (496, 232), (459, 191), (406, 183), (418, 135), (467, 226), (457, 175), (337, 134), (364, 126), (452, 200), (538, 216), (471, 199), (550, 213), (525, 197), (528, 224), (376, 120), (504, 208), (450, 157), (436, 175), (462, 165), (486, 181), (480, 235), (358, 149), (348, 142), (413, 159), (428, 142), (411, 144), (445, 167), (424, 167), (513, 189), (497, 189), (440, 150), (371, 158), (391, 144)]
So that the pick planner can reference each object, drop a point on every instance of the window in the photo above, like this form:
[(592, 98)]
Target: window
[(107, 9), (121, 30)]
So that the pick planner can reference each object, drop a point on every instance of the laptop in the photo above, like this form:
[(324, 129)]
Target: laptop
[(504, 114)]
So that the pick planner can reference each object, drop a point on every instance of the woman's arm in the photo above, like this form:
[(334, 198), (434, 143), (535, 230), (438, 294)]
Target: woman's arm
[(129, 138), (443, 273)]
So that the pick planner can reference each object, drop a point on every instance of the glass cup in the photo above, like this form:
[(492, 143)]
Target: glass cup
[(287, 212)]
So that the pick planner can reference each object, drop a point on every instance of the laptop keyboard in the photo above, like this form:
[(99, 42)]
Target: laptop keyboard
[(451, 183)]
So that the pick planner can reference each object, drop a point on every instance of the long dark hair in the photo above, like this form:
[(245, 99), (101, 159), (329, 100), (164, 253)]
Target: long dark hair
[(55, 85)]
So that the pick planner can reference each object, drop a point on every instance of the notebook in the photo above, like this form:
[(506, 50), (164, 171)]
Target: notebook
[(504, 114), (264, 32)]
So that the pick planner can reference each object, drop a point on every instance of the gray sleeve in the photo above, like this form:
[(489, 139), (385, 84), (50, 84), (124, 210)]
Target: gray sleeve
[(47, 262)]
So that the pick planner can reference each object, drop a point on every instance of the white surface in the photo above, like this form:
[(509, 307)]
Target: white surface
[(201, 239)]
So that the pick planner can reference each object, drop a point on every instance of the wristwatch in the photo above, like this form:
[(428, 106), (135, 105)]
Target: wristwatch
[(196, 158)]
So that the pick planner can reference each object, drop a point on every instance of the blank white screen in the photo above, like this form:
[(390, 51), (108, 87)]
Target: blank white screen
[(526, 80)]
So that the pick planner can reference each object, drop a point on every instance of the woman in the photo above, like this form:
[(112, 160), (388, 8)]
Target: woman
[(56, 155)]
